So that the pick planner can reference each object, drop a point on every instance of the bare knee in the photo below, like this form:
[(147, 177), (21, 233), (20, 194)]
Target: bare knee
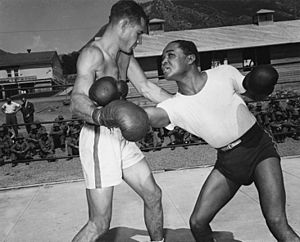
[(199, 222), (200, 228), (196, 222)]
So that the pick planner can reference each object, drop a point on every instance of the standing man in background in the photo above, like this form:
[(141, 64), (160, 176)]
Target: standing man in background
[(106, 157), (10, 110), (27, 109)]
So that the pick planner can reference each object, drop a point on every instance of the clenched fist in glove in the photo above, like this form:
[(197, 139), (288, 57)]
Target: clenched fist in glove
[(260, 82), (131, 119), (122, 88), (104, 90)]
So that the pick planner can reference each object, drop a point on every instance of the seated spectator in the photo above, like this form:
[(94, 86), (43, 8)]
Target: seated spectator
[(72, 144), (176, 137), (275, 106), (47, 149), (40, 128), (56, 134), (20, 151), (294, 125), (261, 115), (64, 128), (6, 141), (1, 146), (290, 107), (277, 127), (172, 136), (147, 142), (78, 125), (74, 125), (157, 142), (33, 139)]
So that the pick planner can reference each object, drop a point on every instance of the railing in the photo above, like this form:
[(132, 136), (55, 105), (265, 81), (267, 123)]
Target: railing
[(18, 79)]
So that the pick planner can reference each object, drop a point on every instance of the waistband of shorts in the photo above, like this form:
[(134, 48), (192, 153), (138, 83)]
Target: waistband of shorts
[(238, 141)]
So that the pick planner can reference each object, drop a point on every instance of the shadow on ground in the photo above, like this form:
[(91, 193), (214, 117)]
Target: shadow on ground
[(125, 234)]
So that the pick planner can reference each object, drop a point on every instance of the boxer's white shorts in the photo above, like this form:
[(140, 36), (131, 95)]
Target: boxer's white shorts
[(104, 154)]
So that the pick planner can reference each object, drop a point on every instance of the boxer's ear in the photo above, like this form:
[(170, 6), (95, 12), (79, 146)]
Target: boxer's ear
[(191, 58), (123, 23)]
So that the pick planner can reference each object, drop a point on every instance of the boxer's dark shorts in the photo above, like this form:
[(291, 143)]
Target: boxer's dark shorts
[(239, 163)]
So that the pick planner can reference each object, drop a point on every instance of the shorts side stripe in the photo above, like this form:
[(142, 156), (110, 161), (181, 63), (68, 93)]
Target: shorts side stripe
[(96, 157)]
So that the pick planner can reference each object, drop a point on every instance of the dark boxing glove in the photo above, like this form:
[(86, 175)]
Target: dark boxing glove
[(104, 90), (122, 88), (131, 119), (260, 82)]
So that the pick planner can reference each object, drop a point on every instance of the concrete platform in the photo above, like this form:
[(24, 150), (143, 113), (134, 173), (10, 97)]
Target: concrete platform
[(55, 212)]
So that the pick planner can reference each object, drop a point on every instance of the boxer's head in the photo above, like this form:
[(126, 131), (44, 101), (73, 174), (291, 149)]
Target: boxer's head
[(127, 9), (177, 56), (132, 22)]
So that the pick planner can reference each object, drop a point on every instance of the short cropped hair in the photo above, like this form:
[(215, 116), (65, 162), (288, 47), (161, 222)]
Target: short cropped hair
[(127, 9), (188, 48)]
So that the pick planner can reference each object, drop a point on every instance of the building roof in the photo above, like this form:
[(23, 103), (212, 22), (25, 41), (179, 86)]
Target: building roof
[(265, 11), (156, 20), (224, 38), (27, 59)]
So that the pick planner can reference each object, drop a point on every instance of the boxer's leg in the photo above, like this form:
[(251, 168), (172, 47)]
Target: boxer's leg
[(269, 182), (100, 211), (140, 178), (215, 193)]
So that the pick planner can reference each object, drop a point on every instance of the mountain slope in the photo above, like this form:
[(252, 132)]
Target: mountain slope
[(190, 14)]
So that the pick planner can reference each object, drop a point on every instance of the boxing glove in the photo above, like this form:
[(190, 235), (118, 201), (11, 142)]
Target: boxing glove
[(122, 88), (260, 82), (104, 90), (131, 119)]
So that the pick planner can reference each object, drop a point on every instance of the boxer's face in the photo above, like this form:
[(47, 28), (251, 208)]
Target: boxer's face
[(133, 35), (173, 61)]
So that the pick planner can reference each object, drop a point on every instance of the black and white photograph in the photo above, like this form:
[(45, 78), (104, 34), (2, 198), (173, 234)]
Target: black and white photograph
[(149, 120)]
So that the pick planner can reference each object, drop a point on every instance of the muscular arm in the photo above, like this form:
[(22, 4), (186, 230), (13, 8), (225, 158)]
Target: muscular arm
[(143, 85), (158, 117), (81, 105)]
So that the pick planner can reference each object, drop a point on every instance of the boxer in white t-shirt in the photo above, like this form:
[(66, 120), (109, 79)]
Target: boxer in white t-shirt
[(209, 105)]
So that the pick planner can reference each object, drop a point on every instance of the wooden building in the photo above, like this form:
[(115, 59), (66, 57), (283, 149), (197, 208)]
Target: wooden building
[(243, 46), (29, 73)]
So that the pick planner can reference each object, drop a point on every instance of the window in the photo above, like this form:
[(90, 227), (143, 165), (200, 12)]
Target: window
[(16, 72), (218, 58), (249, 59), (8, 72)]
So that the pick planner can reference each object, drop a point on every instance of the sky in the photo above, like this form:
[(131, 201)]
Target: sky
[(50, 25)]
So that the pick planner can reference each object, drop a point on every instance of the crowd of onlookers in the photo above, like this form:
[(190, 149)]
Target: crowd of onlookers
[(40, 143), (279, 115)]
